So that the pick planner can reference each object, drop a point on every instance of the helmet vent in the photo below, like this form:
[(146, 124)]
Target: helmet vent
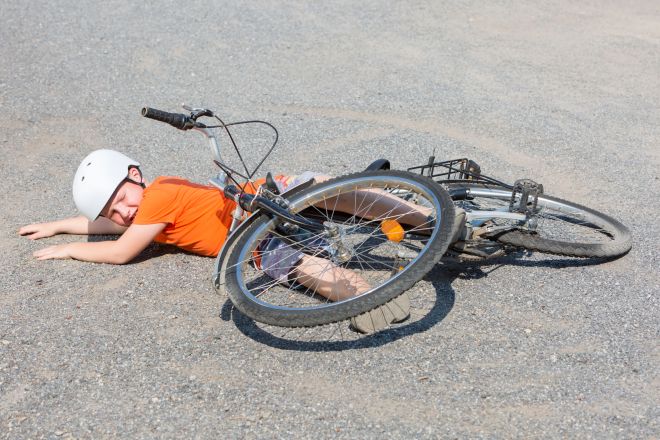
[(82, 178), (89, 164)]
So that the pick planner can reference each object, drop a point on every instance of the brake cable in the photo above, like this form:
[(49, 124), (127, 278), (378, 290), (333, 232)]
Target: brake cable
[(231, 138)]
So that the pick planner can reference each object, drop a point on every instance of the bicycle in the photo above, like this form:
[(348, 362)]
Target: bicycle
[(361, 223), (499, 216), (495, 216)]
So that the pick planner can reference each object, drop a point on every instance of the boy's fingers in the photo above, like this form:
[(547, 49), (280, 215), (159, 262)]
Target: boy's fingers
[(58, 251), (40, 252), (45, 253), (32, 233), (25, 230), (46, 256)]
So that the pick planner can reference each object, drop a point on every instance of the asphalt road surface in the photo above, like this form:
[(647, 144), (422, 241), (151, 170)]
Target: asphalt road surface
[(567, 93)]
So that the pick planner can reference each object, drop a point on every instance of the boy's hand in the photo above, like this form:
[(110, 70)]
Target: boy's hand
[(60, 251), (38, 230), (121, 251)]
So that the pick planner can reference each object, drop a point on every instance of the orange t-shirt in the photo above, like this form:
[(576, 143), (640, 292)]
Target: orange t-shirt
[(198, 217)]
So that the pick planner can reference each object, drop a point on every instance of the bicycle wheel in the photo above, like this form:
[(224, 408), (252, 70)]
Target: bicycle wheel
[(356, 206), (563, 228)]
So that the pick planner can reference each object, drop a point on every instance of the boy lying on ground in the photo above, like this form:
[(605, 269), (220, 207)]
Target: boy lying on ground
[(114, 198)]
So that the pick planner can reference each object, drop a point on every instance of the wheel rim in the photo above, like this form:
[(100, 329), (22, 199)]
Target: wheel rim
[(373, 257)]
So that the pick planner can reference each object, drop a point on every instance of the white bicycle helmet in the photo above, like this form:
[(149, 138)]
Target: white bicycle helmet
[(97, 178)]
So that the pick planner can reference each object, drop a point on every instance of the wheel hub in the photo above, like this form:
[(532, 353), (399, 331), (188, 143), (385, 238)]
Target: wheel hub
[(341, 253)]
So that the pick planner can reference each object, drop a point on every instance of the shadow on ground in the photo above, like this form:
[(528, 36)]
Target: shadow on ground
[(444, 302), (441, 277)]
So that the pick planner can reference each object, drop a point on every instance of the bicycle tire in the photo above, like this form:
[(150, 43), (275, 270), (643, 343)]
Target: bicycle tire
[(238, 276), (565, 228)]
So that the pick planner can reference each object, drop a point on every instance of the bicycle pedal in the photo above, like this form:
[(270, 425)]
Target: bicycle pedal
[(525, 196)]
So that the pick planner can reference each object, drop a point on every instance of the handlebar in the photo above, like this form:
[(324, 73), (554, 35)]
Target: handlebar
[(176, 120), (247, 202)]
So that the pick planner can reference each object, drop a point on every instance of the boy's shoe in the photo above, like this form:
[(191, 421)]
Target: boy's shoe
[(392, 312)]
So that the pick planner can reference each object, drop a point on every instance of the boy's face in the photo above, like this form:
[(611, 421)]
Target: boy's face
[(125, 201)]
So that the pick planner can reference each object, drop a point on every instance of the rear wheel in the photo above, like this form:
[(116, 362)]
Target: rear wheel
[(557, 226), (378, 236)]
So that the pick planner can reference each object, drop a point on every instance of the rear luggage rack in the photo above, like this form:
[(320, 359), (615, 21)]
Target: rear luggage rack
[(455, 170)]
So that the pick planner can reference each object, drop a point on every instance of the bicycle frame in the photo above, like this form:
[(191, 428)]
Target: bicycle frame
[(477, 218)]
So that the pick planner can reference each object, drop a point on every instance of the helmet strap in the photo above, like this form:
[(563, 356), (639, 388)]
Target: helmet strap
[(140, 184)]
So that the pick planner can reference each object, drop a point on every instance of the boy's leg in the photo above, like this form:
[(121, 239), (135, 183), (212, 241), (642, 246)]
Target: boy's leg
[(336, 283), (367, 203), (379, 204), (327, 279)]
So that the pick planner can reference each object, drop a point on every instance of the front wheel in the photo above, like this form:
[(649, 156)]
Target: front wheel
[(383, 228), (557, 226)]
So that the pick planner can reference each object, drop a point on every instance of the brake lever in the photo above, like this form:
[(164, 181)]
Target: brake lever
[(196, 112)]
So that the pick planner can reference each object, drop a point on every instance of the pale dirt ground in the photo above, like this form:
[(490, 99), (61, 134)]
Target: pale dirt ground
[(528, 346)]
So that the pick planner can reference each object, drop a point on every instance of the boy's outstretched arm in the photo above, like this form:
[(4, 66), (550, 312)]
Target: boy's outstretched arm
[(74, 225), (128, 246)]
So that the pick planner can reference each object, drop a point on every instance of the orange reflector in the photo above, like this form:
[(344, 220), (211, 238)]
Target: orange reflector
[(392, 230)]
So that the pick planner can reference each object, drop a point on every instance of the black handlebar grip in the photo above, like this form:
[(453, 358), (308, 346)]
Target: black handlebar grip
[(176, 120)]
